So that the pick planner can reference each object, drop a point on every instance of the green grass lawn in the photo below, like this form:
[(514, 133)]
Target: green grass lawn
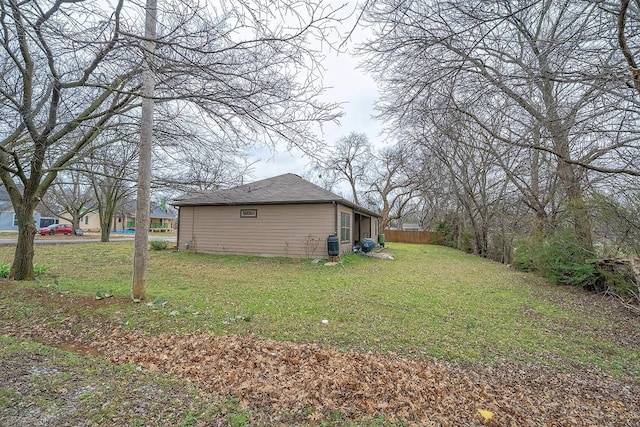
[(430, 301)]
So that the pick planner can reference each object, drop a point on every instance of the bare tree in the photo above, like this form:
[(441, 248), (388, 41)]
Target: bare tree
[(56, 94), (71, 197), (391, 183), (347, 162), (111, 170), (540, 65), (251, 76), (629, 16), (190, 156)]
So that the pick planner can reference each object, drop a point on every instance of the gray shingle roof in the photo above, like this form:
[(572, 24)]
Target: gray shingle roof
[(159, 213), (278, 190)]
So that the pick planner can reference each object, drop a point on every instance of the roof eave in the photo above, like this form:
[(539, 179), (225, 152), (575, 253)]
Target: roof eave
[(344, 202)]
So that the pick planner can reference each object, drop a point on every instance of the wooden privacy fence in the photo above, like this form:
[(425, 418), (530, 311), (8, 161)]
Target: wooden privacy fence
[(424, 237)]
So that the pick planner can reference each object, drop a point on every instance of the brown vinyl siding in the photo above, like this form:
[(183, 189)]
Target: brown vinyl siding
[(296, 230), (345, 246)]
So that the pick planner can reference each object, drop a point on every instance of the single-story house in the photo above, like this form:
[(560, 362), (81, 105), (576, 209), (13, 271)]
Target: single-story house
[(280, 216), (159, 220), (162, 220), (8, 220), (90, 221)]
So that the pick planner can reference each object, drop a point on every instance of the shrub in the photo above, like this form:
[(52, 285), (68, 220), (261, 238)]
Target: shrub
[(559, 259), (158, 245), (448, 228), (40, 270)]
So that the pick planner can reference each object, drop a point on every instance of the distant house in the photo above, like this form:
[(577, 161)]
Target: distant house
[(411, 227), (159, 220), (8, 221), (90, 221), (280, 216), (124, 221)]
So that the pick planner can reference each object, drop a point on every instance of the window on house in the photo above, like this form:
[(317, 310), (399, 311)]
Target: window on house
[(345, 227), (86, 220), (15, 220)]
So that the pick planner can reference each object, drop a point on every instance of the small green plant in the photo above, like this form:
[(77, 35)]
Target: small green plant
[(157, 303), (238, 419), (180, 311), (102, 295), (236, 416), (58, 285), (4, 270), (158, 245), (40, 270)]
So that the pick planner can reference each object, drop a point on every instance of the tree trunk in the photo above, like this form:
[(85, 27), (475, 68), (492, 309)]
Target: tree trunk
[(576, 204), (570, 179), (580, 216), (75, 220), (541, 223), (143, 204), (105, 228), (22, 267), (107, 212)]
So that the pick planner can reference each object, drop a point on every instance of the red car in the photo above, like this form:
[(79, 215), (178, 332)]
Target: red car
[(56, 229)]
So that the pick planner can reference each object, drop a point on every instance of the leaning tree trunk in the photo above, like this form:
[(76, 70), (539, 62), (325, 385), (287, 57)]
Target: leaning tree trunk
[(22, 267)]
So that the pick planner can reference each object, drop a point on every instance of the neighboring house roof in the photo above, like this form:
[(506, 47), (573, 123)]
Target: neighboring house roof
[(4, 195), (411, 227), (159, 213), (278, 190), (6, 206)]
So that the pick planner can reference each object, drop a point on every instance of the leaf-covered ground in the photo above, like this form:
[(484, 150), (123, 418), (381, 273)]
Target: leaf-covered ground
[(244, 380), (295, 377), (307, 381)]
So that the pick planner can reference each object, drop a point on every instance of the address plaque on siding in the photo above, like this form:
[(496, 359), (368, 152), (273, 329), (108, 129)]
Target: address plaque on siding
[(248, 213)]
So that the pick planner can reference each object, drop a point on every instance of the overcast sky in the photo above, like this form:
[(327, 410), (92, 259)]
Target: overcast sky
[(346, 84)]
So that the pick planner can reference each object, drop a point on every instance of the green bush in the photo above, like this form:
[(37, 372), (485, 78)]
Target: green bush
[(40, 270), (448, 228), (559, 258), (158, 245)]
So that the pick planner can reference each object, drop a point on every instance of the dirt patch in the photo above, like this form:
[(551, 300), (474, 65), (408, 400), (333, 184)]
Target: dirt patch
[(82, 350)]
